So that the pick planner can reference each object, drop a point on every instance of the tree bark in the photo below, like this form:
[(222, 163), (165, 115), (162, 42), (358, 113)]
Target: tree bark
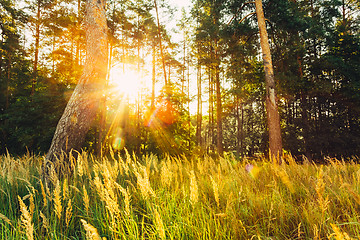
[(273, 118), (199, 106), (219, 132), (240, 124), (37, 44), (83, 105), (211, 111)]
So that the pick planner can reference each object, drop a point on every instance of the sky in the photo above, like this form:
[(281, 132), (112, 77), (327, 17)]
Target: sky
[(180, 3), (178, 37)]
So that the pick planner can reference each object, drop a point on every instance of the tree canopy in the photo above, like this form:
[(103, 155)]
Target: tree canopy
[(198, 86)]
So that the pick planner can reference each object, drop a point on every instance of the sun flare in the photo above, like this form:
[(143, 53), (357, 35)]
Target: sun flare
[(127, 81)]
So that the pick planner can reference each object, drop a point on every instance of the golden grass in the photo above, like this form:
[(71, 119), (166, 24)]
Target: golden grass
[(43, 193), (5, 219), (143, 182), (26, 220), (194, 190), (86, 200), (68, 213), (45, 222), (215, 190), (134, 197), (159, 225), (91, 231), (57, 200)]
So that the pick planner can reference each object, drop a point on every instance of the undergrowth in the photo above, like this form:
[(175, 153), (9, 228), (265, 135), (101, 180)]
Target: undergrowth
[(143, 197)]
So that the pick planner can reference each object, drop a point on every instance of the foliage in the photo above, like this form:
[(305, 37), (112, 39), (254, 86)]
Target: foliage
[(315, 47), (30, 123)]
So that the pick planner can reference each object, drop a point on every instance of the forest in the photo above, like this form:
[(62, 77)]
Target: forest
[(133, 119), (203, 76)]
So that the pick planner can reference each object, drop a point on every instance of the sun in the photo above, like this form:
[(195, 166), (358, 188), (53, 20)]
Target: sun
[(126, 81)]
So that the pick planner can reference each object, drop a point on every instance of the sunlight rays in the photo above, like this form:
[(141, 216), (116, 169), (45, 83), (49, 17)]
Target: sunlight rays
[(128, 81), (158, 119), (128, 97), (118, 127)]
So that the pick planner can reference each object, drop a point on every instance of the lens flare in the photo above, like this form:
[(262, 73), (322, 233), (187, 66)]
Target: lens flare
[(164, 113), (128, 82), (118, 143), (253, 170)]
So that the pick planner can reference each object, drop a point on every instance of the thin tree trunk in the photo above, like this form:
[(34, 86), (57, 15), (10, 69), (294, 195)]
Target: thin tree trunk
[(183, 70), (343, 14), (78, 34), (168, 76), (239, 126), (37, 43), (199, 108), (242, 131), (273, 118), (1, 73), (219, 133), (160, 44), (8, 83), (83, 105), (53, 50), (138, 136), (1, 56), (124, 52), (188, 102), (153, 77), (211, 112)]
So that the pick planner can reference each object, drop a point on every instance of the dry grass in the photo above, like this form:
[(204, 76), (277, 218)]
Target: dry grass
[(180, 198)]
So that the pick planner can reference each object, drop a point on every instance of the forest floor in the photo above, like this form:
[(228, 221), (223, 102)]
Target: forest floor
[(133, 197)]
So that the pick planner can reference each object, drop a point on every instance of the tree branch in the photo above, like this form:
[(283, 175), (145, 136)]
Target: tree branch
[(246, 17), (230, 21)]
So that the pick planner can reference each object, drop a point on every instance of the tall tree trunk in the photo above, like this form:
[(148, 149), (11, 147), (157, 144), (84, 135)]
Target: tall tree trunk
[(211, 111), (183, 70), (83, 105), (239, 120), (199, 107), (153, 77), (242, 131), (161, 47), (188, 102), (138, 113), (78, 33), (219, 131), (8, 82), (53, 58), (37, 44), (1, 56), (168, 76), (273, 118), (343, 14), (1, 72)]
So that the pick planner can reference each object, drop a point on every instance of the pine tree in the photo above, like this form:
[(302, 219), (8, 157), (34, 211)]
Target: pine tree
[(273, 118), (83, 104)]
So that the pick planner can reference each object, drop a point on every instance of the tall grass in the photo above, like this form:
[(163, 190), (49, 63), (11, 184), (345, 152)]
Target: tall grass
[(143, 197)]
